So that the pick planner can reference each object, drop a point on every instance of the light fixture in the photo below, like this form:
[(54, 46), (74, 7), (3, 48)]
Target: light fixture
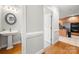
[(10, 8)]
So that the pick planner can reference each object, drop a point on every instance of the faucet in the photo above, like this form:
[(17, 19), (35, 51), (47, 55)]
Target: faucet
[(10, 29), (3, 29)]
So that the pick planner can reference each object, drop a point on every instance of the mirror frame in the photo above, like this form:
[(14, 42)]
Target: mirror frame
[(7, 16)]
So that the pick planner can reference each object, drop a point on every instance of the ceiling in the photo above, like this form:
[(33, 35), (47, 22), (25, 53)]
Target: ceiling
[(68, 10)]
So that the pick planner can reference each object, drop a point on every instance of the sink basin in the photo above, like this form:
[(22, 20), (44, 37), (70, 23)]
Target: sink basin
[(7, 33)]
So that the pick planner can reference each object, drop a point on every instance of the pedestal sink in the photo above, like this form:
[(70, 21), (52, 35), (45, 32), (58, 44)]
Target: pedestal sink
[(9, 34)]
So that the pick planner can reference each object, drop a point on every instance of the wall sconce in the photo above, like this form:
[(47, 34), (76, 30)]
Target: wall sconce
[(10, 8)]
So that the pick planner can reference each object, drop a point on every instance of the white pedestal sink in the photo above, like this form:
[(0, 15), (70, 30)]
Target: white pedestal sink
[(9, 34)]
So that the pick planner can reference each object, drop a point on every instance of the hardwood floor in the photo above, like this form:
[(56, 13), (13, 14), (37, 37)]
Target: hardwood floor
[(61, 48), (15, 50)]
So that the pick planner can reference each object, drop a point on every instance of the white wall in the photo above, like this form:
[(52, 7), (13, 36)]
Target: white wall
[(55, 24), (47, 27), (35, 27), (0, 23), (23, 28), (0, 17), (35, 18)]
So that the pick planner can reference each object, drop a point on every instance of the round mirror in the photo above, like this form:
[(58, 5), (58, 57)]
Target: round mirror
[(10, 18)]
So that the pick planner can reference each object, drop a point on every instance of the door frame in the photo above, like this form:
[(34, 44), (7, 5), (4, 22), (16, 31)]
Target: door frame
[(54, 16)]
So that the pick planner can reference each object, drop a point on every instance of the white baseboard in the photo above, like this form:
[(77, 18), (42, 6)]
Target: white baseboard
[(9, 47), (40, 52), (49, 43), (17, 42)]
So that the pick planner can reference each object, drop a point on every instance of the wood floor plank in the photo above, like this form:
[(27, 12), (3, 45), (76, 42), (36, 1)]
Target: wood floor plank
[(61, 48), (15, 50)]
